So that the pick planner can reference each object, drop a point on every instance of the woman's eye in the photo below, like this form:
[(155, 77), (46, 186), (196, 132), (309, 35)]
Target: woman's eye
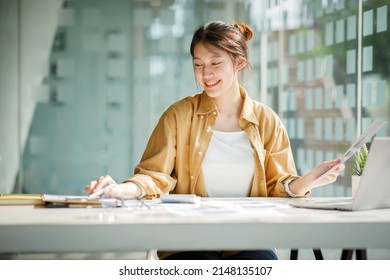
[(198, 65), (216, 63)]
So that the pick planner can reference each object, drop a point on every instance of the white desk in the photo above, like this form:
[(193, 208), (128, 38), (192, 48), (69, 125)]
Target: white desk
[(28, 229)]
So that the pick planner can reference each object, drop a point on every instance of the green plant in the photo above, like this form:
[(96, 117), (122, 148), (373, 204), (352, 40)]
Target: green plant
[(360, 160)]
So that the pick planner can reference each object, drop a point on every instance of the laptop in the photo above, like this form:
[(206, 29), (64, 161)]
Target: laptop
[(374, 188)]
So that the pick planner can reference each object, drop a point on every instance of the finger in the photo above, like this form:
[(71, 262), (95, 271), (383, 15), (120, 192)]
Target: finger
[(99, 181), (327, 165), (341, 167), (89, 187), (333, 175), (337, 171), (332, 163), (102, 182)]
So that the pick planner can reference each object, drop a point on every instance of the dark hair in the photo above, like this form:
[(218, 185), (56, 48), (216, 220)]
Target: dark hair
[(230, 38)]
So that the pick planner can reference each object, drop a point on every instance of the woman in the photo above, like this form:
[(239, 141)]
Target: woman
[(220, 142)]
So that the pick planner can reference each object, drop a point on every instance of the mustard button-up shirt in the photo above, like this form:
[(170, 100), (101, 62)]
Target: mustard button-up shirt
[(172, 161)]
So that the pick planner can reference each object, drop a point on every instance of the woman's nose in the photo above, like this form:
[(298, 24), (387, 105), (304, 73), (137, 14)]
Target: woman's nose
[(207, 72)]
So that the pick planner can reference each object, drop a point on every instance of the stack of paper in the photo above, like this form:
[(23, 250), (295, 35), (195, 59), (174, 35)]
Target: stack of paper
[(21, 199)]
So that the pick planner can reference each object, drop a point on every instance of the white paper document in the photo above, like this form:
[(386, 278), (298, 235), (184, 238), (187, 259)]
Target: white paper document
[(364, 138)]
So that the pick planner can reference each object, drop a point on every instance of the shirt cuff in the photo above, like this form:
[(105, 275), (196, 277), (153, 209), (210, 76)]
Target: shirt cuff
[(143, 193), (287, 188)]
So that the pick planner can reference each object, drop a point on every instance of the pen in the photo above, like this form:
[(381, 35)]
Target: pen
[(99, 192)]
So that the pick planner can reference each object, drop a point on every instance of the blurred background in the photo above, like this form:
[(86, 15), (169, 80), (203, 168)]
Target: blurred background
[(83, 82)]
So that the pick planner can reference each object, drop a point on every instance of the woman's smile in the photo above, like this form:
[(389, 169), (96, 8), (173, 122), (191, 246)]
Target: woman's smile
[(211, 84)]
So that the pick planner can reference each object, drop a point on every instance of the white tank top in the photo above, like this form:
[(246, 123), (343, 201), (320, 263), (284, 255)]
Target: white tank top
[(228, 166)]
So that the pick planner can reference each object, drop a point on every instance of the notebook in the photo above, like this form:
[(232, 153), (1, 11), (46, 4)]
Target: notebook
[(374, 188)]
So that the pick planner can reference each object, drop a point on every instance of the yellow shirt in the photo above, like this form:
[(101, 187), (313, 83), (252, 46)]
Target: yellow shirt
[(173, 157)]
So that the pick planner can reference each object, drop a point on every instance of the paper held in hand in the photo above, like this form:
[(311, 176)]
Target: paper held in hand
[(364, 138)]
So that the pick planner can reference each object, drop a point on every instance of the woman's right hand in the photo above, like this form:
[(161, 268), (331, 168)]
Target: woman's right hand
[(126, 190), (101, 183)]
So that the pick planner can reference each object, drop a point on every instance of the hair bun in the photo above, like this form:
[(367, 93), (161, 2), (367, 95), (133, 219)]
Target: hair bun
[(245, 29)]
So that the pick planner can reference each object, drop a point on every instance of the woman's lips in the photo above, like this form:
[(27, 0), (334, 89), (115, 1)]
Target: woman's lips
[(210, 84)]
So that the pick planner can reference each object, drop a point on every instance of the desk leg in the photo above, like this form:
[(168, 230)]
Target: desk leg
[(294, 254), (346, 254), (361, 254), (318, 254), (151, 255)]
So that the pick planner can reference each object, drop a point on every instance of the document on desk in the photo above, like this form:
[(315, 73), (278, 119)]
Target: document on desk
[(228, 208), (70, 200), (363, 139)]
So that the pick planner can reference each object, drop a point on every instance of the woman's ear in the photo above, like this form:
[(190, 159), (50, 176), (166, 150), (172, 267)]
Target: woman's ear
[(240, 64)]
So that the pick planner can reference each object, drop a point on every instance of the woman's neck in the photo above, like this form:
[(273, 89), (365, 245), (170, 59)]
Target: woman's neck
[(229, 109), (229, 103)]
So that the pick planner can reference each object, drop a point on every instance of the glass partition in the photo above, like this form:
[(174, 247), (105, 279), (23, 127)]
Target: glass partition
[(83, 83), (326, 75)]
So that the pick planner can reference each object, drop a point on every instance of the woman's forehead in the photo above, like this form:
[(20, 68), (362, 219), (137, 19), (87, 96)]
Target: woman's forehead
[(210, 49)]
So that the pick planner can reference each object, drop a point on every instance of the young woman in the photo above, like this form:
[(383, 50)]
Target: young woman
[(219, 142)]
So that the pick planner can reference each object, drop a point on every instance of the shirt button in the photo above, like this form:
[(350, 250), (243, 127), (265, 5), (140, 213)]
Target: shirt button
[(199, 153), (192, 177), (214, 113)]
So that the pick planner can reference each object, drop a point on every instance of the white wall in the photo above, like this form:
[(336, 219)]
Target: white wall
[(26, 32)]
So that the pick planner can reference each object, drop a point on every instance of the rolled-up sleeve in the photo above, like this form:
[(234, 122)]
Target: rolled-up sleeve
[(279, 165), (155, 172)]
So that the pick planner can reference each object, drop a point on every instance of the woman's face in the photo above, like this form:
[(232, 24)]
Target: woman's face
[(214, 70)]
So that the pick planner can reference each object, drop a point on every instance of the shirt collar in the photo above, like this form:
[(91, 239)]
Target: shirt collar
[(247, 112), (207, 105)]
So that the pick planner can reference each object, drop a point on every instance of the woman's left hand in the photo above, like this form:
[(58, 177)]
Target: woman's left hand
[(323, 167), (309, 181)]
